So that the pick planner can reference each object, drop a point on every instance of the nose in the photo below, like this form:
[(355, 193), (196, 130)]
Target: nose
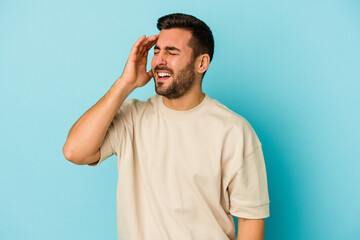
[(159, 59)]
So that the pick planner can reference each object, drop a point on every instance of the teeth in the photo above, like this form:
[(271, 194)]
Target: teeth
[(164, 74)]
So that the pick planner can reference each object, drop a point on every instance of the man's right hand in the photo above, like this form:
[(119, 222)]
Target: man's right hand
[(135, 73), (87, 134)]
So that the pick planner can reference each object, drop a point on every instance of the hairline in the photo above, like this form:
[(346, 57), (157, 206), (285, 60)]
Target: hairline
[(191, 42)]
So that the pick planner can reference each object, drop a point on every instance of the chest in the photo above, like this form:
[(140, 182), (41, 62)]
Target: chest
[(187, 150)]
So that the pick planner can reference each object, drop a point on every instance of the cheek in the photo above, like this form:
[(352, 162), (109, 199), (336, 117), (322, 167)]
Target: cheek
[(153, 62)]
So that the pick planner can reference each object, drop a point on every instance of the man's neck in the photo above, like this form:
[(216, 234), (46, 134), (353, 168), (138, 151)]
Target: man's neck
[(186, 102)]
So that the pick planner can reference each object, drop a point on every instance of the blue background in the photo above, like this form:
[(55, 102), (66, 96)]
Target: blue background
[(291, 68)]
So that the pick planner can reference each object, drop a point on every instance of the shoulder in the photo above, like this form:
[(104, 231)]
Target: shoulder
[(234, 125), (227, 116), (133, 106), (134, 103)]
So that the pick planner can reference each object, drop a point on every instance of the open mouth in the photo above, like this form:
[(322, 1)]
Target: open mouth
[(162, 76)]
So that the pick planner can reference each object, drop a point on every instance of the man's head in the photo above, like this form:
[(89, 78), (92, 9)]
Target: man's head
[(182, 54), (202, 40)]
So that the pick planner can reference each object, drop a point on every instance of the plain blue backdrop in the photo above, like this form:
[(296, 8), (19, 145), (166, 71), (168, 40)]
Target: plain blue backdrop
[(291, 68)]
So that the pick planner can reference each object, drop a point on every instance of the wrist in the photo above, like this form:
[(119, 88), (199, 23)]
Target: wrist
[(124, 85)]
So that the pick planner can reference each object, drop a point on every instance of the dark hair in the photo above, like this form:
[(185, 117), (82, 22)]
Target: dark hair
[(202, 40)]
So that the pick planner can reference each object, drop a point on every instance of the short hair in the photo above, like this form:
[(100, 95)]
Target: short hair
[(202, 40)]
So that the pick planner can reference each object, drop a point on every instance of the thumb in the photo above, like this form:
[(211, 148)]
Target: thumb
[(150, 74)]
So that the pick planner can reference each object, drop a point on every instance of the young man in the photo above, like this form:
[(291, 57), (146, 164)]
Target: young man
[(186, 163)]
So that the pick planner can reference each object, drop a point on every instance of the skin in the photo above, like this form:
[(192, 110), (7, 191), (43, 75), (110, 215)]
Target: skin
[(250, 229), (181, 81), (87, 134), (182, 91), (173, 54)]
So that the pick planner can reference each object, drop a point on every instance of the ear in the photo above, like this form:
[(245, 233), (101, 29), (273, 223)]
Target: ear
[(202, 63)]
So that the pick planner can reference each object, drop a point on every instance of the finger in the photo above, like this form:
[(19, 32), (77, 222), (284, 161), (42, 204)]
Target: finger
[(148, 43), (150, 73), (153, 40), (136, 46), (150, 39), (146, 55), (153, 37), (144, 43), (148, 46), (151, 44)]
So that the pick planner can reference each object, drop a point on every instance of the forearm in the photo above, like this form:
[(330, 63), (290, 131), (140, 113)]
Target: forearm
[(251, 229), (87, 134)]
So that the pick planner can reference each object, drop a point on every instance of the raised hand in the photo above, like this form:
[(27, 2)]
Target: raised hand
[(135, 72), (87, 134)]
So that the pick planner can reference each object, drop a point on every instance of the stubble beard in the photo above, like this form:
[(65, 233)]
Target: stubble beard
[(180, 85)]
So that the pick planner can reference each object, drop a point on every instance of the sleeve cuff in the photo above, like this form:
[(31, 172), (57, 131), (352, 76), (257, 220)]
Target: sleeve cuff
[(105, 152), (251, 212)]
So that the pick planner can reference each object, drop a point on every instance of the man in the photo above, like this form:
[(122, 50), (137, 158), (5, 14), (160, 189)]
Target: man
[(186, 163)]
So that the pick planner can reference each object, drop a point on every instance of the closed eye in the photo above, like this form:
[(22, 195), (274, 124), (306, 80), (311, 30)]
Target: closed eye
[(171, 50)]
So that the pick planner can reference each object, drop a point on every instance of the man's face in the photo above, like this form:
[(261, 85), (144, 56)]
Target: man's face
[(173, 63)]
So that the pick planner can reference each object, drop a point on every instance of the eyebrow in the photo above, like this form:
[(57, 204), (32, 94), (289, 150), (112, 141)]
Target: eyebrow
[(168, 48)]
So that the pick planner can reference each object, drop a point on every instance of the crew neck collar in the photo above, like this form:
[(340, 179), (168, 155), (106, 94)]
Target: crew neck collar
[(183, 115)]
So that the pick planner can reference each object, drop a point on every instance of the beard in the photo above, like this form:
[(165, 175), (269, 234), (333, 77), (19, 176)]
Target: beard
[(181, 84)]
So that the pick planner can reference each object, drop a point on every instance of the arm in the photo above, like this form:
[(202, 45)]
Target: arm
[(250, 229), (87, 134)]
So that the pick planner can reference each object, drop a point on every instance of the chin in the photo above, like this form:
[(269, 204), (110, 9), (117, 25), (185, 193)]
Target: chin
[(160, 91)]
